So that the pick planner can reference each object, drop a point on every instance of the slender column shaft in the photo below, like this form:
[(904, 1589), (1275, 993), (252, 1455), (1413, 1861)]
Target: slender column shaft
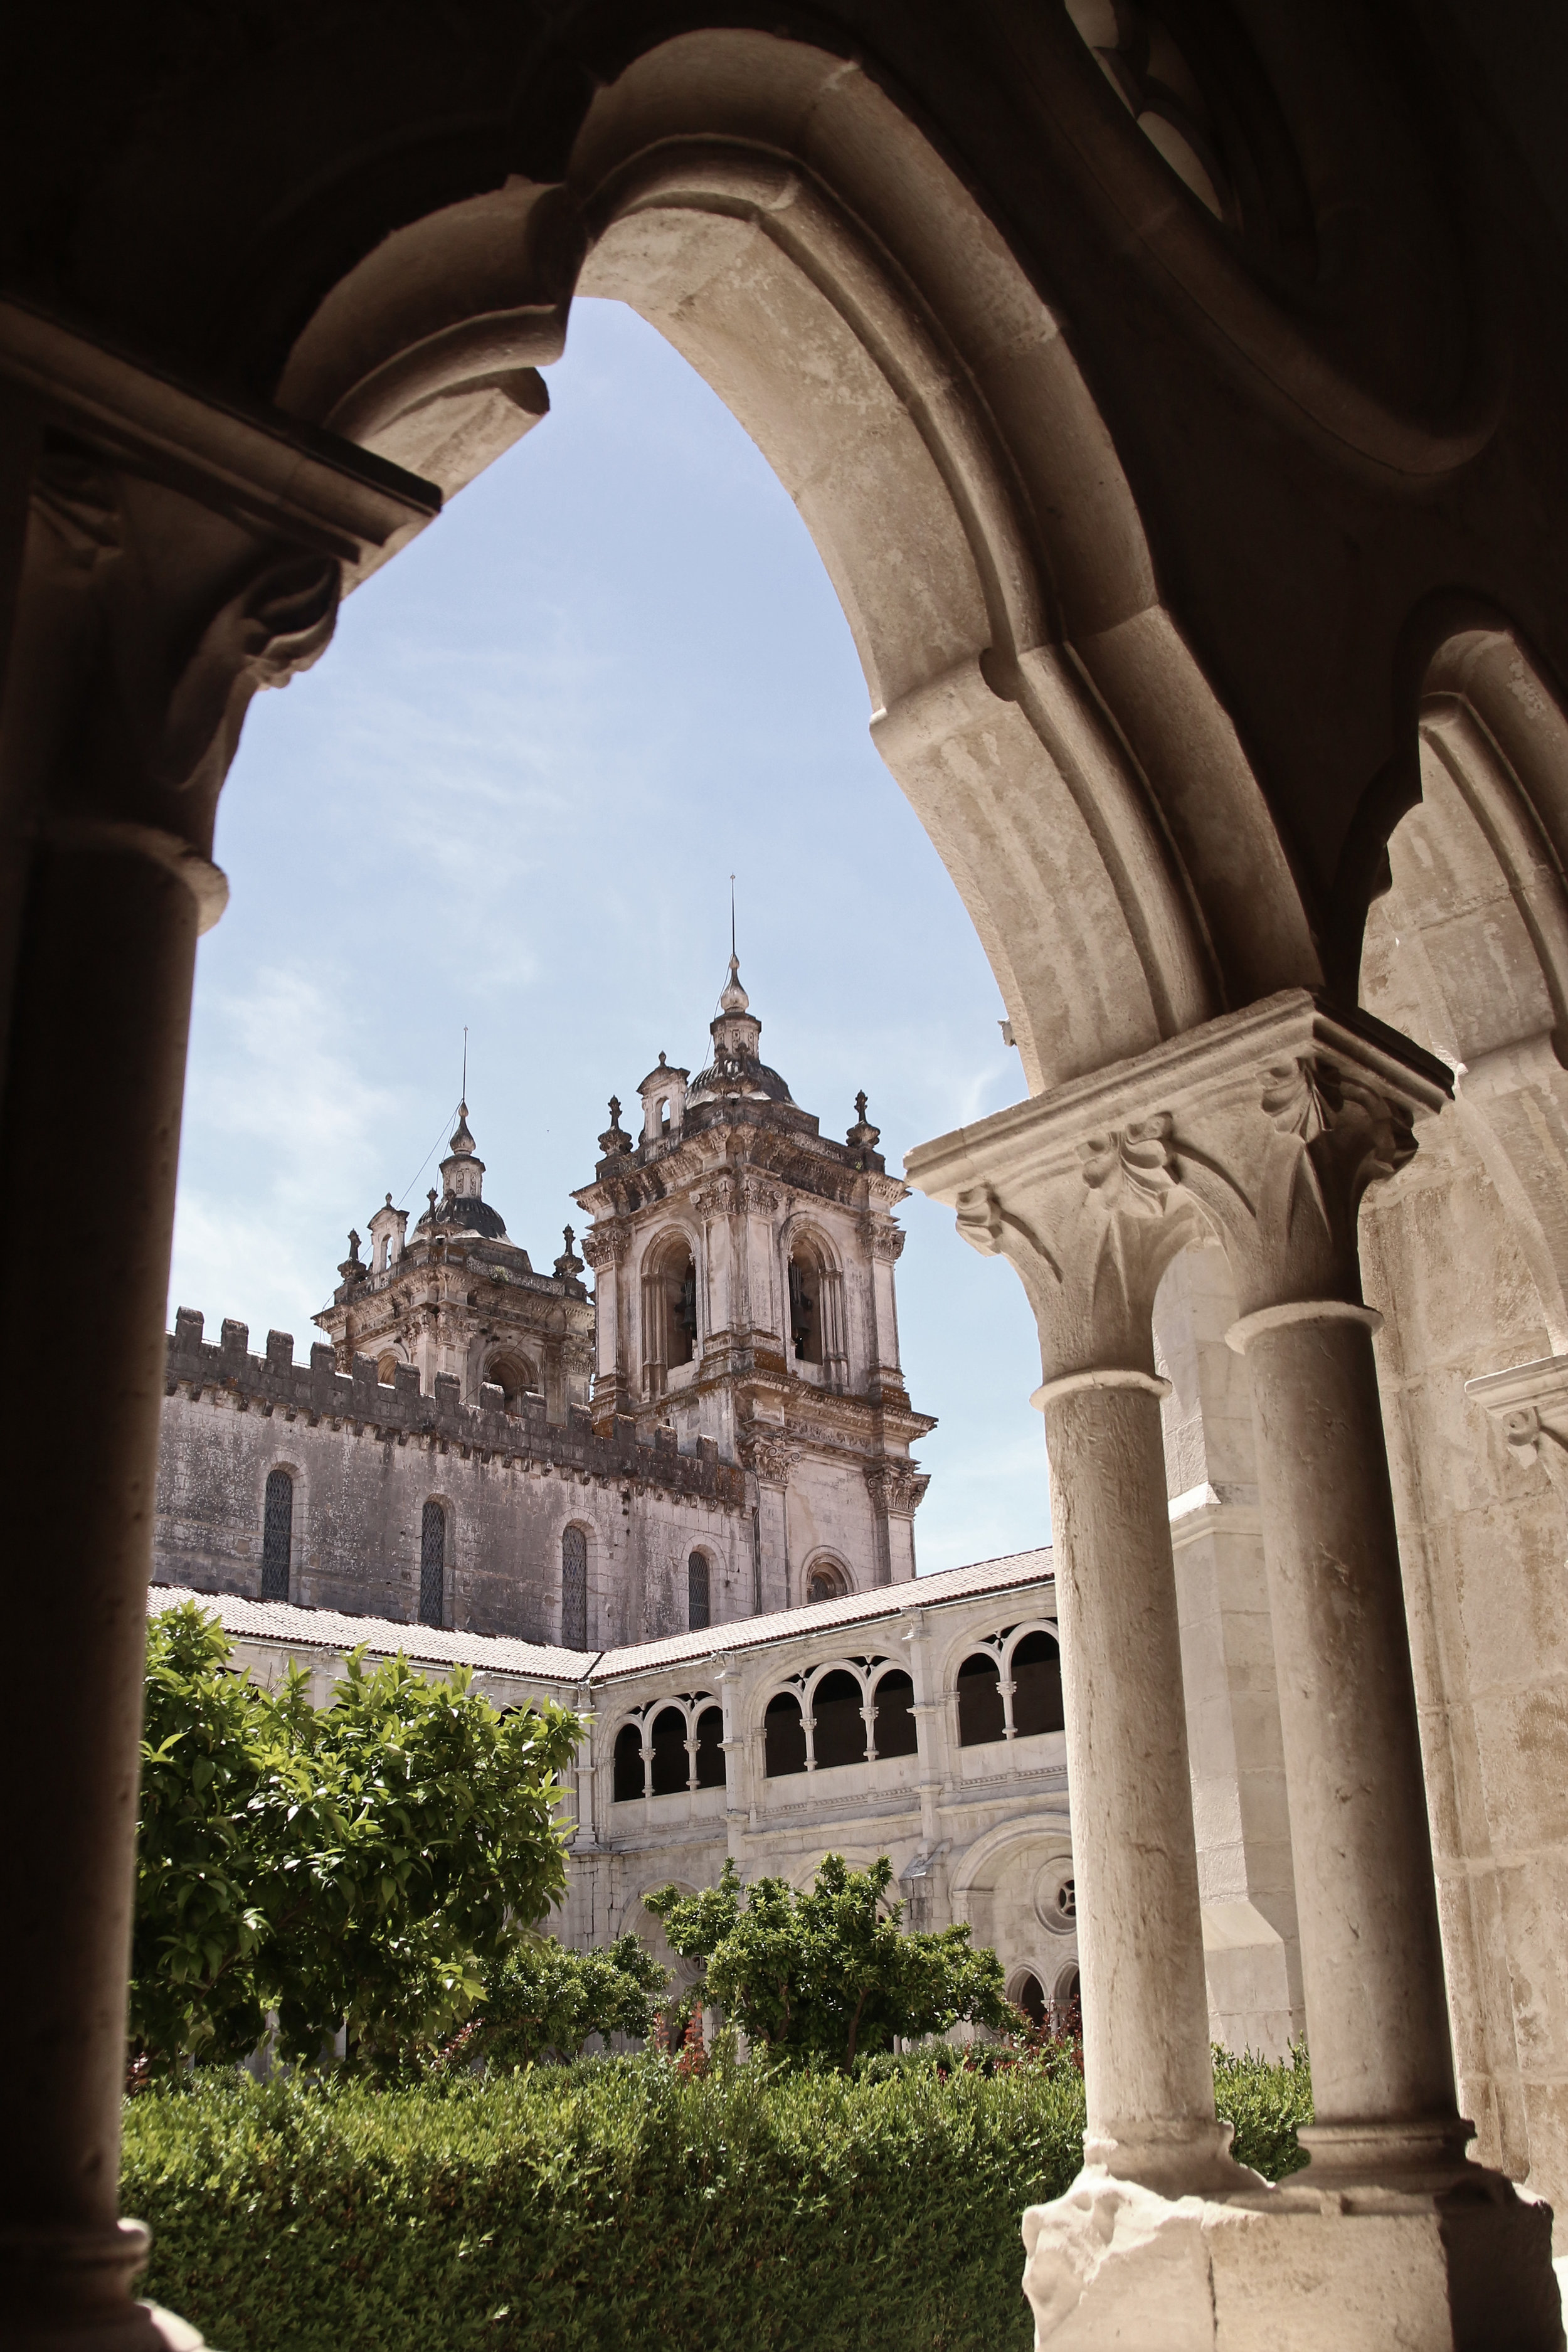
[(1383, 2077), (1145, 2011), (90, 1127)]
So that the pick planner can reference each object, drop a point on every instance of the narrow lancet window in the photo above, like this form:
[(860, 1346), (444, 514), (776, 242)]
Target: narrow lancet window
[(433, 1565), (699, 1592), (573, 1589), (276, 1535)]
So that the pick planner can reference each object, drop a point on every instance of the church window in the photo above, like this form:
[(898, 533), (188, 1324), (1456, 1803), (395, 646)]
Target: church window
[(805, 1304), (699, 1592), (711, 1748), (1036, 1686), (629, 1777), (838, 1726), (980, 1715), (573, 1589), (433, 1565), (671, 1764), (827, 1582), (669, 1305), (277, 1534), (895, 1697), (783, 1736)]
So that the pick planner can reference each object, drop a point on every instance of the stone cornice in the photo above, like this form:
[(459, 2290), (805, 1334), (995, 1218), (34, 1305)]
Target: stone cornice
[(260, 467)]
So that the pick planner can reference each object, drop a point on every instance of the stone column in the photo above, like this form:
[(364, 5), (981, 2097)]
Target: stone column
[(1377, 2021), (146, 617), (1145, 2006), (1091, 1217)]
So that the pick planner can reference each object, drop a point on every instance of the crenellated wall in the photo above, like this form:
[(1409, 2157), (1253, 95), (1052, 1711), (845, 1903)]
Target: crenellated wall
[(365, 1459)]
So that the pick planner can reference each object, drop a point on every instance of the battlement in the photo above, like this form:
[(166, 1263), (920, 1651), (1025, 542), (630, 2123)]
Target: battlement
[(357, 1401)]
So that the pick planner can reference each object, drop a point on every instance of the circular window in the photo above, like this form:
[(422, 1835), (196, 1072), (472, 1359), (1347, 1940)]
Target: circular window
[(1055, 1896)]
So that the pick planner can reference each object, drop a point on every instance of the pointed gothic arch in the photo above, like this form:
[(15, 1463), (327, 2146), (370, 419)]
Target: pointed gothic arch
[(794, 235)]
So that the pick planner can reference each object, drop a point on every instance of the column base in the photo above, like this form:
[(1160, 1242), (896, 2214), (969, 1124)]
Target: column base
[(1466, 2268), (67, 2290), (1175, 2159)]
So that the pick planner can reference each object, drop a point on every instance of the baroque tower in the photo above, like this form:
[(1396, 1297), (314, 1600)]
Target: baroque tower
[(745, 1297), (459, 1297)]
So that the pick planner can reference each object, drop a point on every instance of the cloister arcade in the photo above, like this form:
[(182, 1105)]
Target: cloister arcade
[(1194, 498)]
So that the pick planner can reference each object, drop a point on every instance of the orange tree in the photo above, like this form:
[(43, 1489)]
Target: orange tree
[(830, 1974), (355, 1866)]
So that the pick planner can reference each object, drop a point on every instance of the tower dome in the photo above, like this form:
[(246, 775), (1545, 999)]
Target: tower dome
[(736, 1071)]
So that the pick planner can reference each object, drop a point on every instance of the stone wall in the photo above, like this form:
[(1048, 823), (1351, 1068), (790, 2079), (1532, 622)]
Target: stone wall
[(366, 1458)]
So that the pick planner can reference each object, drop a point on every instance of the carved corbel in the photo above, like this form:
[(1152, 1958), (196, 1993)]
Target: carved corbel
[(1528, 1405)]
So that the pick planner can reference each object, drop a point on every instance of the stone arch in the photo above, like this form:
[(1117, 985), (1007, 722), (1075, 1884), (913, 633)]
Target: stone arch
[(671, 1316), (813, 1285), (773, 214), (515, 1374), (824, 1577), (1467, 951)]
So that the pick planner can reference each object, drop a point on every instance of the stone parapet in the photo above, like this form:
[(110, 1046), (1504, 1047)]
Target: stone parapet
[(317, 1392)]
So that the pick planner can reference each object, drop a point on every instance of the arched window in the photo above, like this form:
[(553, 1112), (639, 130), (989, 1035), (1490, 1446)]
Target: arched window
[(699, 1592), (827, 1582), (1029, 1995), (669, 1304), (980, 1716), (514, 1376), (277, 1534), (1036, 1686), (629, 1780), (1066, 2013), (433, 1565), (671, 1764), (895, 1698), (711, 1748), (804, 1304), (573, 1588), (838, 1726), (783, 1736), (387, 1371)]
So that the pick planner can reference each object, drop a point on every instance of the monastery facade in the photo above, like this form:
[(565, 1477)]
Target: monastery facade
[(722, 1429)]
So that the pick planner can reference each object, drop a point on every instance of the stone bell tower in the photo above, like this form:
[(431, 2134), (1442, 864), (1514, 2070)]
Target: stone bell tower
[(745, 1303)]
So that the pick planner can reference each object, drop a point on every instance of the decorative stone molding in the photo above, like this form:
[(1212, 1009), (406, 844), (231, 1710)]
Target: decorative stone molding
[(1262, 1129), (1527, 1403), (770, 1457), (896, 1488), (716, 1199), (607, 1245), (888, 1243)]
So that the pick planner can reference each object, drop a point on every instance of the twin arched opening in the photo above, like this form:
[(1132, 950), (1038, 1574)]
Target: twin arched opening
[(1014, 1689), (677, 1749)]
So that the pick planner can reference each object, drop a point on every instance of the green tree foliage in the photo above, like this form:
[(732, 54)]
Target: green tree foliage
[(354, 1865), (830, 1974), (543, 2001)]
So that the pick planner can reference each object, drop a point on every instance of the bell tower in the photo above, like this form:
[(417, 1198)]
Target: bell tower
[(745, 1303)]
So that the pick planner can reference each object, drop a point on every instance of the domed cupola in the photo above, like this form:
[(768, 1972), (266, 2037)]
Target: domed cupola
[(461, 1209), (736, 1071)]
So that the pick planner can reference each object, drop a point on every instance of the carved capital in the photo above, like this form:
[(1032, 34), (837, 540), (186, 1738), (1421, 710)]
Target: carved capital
[(1528, 1405), (888, 1243), (607, 1245), (716, 1199), (768, 1455), (1262, 1130), (896, 1488), (757, 1198)]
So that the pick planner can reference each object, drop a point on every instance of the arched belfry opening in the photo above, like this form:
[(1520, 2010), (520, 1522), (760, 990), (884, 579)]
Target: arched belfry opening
[(668, 1310)]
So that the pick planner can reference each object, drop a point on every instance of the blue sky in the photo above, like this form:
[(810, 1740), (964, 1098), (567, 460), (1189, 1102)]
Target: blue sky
[(511, 796)]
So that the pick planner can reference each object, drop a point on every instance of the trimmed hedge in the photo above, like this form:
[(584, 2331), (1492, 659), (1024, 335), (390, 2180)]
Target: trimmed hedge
[(601, 2205)]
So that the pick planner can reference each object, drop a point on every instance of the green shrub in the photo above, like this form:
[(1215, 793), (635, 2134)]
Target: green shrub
[(609, 2204), (612, 2203), (1265, 2099)]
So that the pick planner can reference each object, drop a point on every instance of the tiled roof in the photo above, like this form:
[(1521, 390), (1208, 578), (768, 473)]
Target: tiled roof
[(331, 1629)]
